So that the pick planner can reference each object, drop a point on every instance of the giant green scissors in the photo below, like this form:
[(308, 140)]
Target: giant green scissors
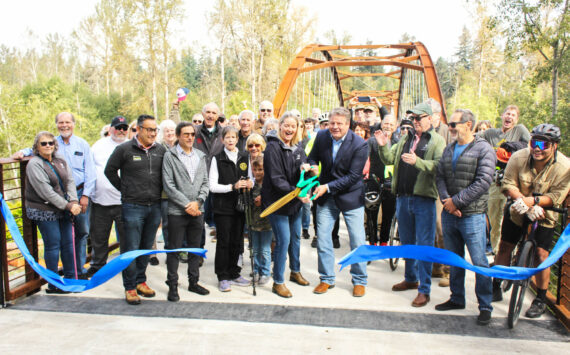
[(302, 189)]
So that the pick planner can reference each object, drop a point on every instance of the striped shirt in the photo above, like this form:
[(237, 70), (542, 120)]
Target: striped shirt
[(190, 161)]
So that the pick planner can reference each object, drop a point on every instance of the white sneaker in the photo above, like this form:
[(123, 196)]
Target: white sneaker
[(263, 280)]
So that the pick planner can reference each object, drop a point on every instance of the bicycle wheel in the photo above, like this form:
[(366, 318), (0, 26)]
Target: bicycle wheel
[(506, 284), (520, 286), (394, 241)]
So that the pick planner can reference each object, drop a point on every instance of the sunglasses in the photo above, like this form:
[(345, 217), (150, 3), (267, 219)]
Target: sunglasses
[(134, 130), (417, 118), (542, 145), (265, 110), (454, 124), (50, 143), (257, 145), (405, 127), (197, 122), (122, 128)]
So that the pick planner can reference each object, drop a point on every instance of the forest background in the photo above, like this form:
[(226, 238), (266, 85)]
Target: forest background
[(122, 60)]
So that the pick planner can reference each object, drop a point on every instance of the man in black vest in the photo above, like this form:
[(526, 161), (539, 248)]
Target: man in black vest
[(464, 175)]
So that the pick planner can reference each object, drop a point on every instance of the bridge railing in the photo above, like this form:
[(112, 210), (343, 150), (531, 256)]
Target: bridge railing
[(17, 278)]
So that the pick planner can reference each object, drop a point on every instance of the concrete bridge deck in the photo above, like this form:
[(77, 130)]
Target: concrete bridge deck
[(99, 321)]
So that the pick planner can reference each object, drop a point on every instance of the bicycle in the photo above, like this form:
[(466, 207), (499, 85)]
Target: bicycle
[(525, 258), (394, 241)]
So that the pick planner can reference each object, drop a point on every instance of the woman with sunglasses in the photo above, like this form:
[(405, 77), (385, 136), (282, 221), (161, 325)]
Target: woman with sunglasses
[(50, 195), (132, 130)]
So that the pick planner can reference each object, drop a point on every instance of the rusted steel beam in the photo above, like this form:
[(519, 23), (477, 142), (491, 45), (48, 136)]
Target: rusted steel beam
[(432, 82), (362, 63), (364, 46)]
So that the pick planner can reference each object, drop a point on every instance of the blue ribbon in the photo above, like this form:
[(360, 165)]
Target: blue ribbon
[(436, 255), (103, 275)]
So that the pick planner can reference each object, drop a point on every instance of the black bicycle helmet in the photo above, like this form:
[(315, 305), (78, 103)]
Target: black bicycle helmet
[(546, 131), (371, 199)]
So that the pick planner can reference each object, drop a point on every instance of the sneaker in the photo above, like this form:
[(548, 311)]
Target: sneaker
[(57, 291), (213, 233), (497, 294), (314, 242), (214, 239), (154, 261), (145, 291), (537, 308), (132, 298), (263, 280), (484, 318), (224, 286), (241, 281), (194, 287), (183, 257), (306, 234)]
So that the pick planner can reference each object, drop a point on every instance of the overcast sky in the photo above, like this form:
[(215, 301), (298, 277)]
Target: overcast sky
[(436, 23)]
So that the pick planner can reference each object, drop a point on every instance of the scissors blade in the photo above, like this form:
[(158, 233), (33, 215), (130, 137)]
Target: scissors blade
[(281, 202)]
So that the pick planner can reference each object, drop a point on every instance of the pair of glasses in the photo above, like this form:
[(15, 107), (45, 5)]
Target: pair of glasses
[(197, 122), (122, 128), (49, 143), (257, 145), (405, 128), (134, 130), (151, 130), (417, 118), (542, 145), (265, 110), (454, 124)]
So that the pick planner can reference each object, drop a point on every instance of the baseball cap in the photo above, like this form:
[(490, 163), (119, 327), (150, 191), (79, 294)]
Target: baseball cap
[(421, 109), (119, 121)]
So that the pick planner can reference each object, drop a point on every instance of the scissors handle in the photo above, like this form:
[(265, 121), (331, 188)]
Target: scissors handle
[(307, 185)]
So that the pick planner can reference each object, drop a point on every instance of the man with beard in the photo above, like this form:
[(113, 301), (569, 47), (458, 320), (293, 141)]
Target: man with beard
[(106, 199)]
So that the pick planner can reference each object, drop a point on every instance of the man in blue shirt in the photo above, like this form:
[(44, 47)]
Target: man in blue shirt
[(77, 154)]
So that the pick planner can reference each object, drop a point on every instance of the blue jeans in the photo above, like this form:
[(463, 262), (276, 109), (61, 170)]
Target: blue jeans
[(468, 231), (416, 224), (327, 214), (57, 237), (141, 223), (262, 251), (81, 230), (287, 230), (306, 221)]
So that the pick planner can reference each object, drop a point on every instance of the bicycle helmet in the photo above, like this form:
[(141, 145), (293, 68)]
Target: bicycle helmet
[(371, 199), (546, 131)]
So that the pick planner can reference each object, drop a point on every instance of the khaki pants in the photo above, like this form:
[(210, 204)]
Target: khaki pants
[(495, 211), (439, 268)]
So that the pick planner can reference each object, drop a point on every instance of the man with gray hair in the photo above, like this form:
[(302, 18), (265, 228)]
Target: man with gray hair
[(464, 175), (245, 119), (342, 155), (265, 112), (442, 129)]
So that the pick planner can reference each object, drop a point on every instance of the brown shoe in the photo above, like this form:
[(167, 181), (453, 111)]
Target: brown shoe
[(358, 291), (322, 288), (421, 300), (444, 282), (132, 298), (281, 290), (145, 291), (298, 278), (405, 285)]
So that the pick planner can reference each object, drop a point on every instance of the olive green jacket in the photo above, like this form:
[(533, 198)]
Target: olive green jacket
[(425, 183)]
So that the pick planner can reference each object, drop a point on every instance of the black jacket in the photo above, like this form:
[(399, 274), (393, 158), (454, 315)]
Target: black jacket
[(282, 166), (210, 143), (228, 173), (141, 172), (468, 185)]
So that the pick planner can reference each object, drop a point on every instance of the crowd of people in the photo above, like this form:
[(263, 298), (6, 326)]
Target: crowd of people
[(441, 181)]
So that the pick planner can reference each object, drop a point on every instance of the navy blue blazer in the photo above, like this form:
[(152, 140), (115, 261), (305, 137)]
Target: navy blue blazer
[(344, 175)]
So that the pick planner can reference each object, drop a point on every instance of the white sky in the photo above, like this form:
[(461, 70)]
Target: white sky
[(436, 23)]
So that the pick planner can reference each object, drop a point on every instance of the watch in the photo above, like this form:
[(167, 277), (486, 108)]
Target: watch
[(536, 200)]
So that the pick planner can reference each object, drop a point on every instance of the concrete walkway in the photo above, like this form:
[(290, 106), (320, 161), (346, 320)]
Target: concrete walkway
[(99, 321)]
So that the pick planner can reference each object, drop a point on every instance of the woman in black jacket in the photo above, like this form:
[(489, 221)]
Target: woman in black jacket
[(283, 160), (228, 174)]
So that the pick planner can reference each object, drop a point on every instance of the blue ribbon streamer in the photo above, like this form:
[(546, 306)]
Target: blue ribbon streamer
[(436, 255), (103, 275)]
